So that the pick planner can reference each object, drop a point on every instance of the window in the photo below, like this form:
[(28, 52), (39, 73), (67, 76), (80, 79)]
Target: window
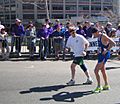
[(28, 16), (84, 7), (96, 7), (1, 2), (70, 15), (83, 0), (41, 6), (71, 7), (70, 0), (28, 6), (108, 8), (57, 7), (6, 1), (108, 0), (41, 16), (57, 16), (95, 0), (13, 8), (7, 17), (57, 1), (13, 16), (12, 1)]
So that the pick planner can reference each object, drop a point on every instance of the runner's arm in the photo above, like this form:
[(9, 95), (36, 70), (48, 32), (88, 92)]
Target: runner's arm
[(111, 42)]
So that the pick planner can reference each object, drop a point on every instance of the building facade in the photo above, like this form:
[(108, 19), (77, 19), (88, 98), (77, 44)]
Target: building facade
[(39, 9)]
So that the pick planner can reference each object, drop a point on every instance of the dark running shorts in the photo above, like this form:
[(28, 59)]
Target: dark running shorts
[(103, 58), (78, 60)]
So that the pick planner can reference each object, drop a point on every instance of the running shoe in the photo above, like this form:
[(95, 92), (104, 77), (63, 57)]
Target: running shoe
[(98, 90), (71, 82), (106, 87), (89, 81)]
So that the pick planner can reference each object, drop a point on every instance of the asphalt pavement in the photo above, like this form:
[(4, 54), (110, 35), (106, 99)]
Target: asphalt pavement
[(44, 82)]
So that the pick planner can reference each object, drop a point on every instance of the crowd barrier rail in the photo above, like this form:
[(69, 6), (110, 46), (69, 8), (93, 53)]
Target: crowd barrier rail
[(24, 46)]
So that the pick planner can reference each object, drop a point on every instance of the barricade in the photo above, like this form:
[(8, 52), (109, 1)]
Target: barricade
[(92, 50), (94, 44)]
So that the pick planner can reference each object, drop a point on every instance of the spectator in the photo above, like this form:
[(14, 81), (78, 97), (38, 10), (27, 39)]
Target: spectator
[(47, 23), (80, 31), (66, 36), (88, 29), (113, 33), (78, 24), (4, 44), (57, 22), (118, 31), (118, 35), (1, 26), (67, 32), (98, 26), (18, 32), (43, 46), (31, 39), (108, 28), (50, 31), (119, 50), (58, 37)]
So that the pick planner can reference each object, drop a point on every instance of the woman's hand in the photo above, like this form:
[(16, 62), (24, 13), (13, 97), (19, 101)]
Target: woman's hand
[(104, 52)]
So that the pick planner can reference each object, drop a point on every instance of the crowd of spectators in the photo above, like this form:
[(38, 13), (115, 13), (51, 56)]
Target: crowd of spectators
[(53, 37)]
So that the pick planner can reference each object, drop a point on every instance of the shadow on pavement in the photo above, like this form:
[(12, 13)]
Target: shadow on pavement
[(46, 88), (109, 68), (20, 59), (66, 96)]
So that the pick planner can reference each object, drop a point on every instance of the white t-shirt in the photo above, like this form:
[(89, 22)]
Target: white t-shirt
[(118, 33), (77, 44)]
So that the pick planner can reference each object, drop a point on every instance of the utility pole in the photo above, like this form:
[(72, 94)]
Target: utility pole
[(46, 3), (10, 12)]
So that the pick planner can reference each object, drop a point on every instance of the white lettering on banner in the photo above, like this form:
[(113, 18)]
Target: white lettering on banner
[(94, 45)]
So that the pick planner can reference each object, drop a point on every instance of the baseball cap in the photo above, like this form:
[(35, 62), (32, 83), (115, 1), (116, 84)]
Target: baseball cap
[(18, 20)]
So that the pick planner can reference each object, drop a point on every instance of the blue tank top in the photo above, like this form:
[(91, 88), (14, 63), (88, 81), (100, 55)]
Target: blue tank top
[(101, 46)]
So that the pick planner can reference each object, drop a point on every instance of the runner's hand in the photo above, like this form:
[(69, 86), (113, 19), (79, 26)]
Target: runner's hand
[(84, 53), (104, 52), (66, 50)]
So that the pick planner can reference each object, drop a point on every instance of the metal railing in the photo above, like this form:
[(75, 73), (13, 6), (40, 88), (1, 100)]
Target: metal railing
[(24, 46)]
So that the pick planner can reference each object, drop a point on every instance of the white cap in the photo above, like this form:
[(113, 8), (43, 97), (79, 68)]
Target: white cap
[(109, 23), (92, 24), (2, 27), (113, 29), (18, 20)]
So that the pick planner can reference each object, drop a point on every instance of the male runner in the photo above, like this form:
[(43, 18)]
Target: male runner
[(79, 46)]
